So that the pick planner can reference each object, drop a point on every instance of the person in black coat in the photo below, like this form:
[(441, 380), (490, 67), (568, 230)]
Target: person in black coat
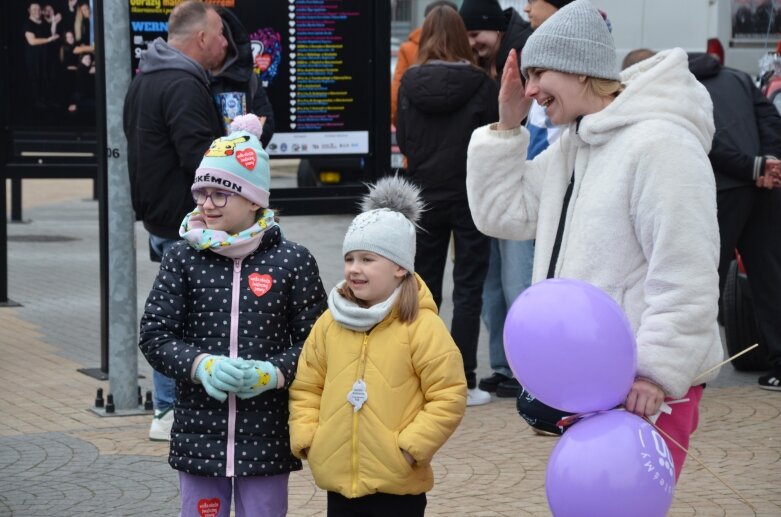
[(748, 177), (493, 32), (442, 99), (237, 74), (227, 318)]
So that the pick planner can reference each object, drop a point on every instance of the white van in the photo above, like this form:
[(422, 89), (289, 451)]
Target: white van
[(744, 29)]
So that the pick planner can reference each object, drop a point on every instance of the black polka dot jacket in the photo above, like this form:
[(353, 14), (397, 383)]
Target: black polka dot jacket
[(191, 310)]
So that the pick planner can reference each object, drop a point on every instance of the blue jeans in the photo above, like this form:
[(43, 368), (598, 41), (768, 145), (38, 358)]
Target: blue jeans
[(509, 273), (164, 387)]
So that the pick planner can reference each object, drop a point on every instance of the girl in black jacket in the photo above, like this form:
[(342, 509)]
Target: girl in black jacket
[(227, 317), (442, 100)]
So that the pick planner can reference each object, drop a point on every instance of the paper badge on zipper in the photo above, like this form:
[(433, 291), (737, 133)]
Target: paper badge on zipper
[(357, 395)]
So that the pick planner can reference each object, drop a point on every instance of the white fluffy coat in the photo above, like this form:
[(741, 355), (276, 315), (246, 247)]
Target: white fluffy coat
[(641, 223)]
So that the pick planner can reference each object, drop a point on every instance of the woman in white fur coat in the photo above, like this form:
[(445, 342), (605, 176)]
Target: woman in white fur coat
[(625, 200)]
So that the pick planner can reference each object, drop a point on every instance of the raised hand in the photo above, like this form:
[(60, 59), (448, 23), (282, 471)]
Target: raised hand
[(513, 104)]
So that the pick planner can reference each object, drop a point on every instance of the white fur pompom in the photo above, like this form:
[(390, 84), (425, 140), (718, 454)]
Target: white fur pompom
[(249, 123), (397, 194)]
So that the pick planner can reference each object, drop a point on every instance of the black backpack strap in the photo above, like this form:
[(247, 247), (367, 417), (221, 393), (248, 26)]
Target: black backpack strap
[(560, 231)]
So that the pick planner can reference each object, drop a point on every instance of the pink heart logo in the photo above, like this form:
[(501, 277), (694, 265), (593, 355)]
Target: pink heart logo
[(259, 284), (247, 158)]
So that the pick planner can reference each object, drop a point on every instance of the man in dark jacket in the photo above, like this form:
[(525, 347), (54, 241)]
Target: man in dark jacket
[(170, 119), (748, 177)]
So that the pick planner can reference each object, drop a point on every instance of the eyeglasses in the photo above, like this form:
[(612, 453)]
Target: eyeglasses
[(219, 198)]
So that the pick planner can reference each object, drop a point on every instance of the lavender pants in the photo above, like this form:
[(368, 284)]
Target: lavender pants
[(256, 496)]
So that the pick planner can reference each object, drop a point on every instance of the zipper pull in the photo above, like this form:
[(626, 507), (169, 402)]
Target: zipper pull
[(237, 265)]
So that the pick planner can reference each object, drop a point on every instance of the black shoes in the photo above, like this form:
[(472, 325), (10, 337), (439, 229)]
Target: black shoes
[(771, 381), (510, 388), (490, 384), (502, 385)]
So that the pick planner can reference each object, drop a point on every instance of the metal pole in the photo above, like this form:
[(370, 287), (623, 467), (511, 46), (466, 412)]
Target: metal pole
[(122, 326), (16, 200), (100, 177)]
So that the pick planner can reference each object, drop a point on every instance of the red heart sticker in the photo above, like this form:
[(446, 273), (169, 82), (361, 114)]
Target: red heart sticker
[(209, 507), (247, 158), (259, 284)]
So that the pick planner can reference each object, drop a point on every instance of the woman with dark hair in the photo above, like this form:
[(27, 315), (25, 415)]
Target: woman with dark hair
[(442, 99)]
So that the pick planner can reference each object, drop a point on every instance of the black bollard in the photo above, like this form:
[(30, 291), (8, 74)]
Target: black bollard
[(148, 405), (99, 398), (110, 403)]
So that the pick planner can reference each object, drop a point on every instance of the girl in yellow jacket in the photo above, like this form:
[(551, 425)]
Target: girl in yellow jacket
[(380, 383)]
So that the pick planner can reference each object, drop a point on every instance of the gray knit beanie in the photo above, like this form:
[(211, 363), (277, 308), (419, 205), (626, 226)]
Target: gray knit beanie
[(575, 40), (387, 225)]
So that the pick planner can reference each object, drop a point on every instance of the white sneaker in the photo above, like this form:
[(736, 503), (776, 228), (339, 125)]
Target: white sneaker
[(160, 430), (477, 397)]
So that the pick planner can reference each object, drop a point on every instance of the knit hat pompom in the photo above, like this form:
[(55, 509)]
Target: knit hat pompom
[(575, 40), (249, 123), (387, 225), (397, 194), (237, 163)]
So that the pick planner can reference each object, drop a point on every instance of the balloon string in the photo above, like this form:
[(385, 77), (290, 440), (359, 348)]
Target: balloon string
[(695, 458), (706, 372)]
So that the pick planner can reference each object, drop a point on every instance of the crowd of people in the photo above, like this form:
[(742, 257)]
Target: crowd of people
[(529, 147)]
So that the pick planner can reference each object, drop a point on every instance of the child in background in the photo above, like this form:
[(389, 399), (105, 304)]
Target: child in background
[(227, 317), (380, 386)]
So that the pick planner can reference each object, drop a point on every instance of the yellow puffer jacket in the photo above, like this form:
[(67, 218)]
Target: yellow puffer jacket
[(416, 396)]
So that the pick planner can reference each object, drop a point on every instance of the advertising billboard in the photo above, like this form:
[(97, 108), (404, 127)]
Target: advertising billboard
[(313, 57), (51, 60)]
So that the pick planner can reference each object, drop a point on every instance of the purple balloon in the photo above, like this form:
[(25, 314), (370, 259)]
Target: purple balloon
[(612, 464), (571, 346)]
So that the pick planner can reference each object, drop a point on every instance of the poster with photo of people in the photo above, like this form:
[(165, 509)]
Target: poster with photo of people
[(52, 59), (756, 19)]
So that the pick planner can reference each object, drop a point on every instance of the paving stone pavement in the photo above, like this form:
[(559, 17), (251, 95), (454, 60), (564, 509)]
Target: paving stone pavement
[(57, 458)]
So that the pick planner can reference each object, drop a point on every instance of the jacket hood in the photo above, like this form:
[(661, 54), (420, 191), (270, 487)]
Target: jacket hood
[(440, 86), (238, 64), (518, 31), (703, 66), (160, 55), (658, 88)]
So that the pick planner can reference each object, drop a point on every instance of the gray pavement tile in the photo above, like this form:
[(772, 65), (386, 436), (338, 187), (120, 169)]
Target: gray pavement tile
[(74, 480), (59, 474)]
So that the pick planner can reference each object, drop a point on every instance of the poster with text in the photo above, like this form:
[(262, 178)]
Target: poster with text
[(313, 57)]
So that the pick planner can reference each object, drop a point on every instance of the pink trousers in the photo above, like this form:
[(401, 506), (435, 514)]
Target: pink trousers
[(680, 424)]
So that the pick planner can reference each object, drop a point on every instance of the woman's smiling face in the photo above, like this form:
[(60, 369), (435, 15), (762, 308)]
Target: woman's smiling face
[(562, 95)]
